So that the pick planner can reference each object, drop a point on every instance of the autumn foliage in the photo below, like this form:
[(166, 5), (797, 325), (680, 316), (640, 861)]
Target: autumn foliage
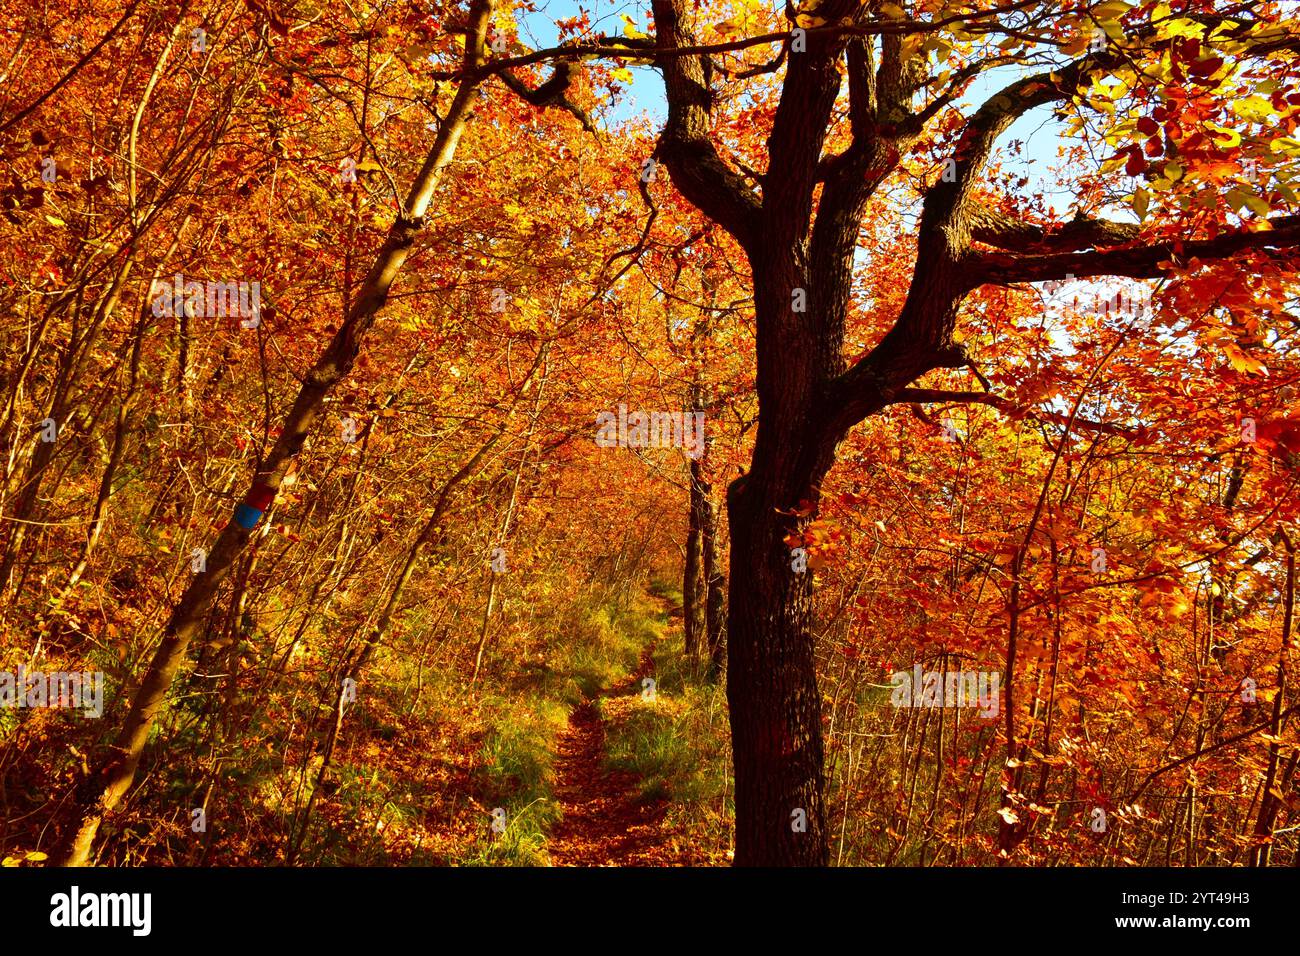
[(1036, 416)]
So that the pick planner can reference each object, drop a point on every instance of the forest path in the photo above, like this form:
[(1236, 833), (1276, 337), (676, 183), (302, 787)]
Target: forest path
[(605, 822)]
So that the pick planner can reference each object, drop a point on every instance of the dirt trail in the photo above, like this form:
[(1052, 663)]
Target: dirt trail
[(604, 823)]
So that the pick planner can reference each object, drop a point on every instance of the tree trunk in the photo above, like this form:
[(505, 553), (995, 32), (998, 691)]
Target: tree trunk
[(1269, 804), (772, 689), (693, 595), (714, 590)]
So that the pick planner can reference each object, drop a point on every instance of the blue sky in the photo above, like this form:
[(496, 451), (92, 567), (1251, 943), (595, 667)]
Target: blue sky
[(646, 95)]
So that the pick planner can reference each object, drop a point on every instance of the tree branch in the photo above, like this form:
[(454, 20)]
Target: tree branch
[(799, 130), (686, 145), (1144, 262), (996, 228), (948, 202), (923, 396), (551, 94)]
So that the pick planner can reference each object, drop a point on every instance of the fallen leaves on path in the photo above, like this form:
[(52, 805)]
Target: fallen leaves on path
[(605, 822)]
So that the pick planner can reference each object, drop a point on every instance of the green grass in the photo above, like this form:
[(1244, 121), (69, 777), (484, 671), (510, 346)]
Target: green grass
[(374, 801), (678, 745), (668, 590), (522, 842), (597, 648), (517, 774)]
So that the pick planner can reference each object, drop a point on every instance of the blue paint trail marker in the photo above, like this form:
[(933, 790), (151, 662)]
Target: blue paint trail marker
[(250, 510)]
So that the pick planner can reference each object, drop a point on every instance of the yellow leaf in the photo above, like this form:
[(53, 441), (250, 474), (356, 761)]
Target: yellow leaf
[(1141, 203), (1226, 138), (1241, 361), (55, 221), (1110, 11), (1183, 28), (630, 28), (1253, 108), (1258, 206)]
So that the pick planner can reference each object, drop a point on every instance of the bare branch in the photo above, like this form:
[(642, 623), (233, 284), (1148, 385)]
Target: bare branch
[(948, 201), (551, 94), (922, 396), (1144, 262), (996, 228)]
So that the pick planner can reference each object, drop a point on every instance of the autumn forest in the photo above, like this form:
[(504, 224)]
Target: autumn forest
[(725, 432)]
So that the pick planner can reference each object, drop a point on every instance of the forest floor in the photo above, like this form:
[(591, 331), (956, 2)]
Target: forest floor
[(607, 818), (605, 823)]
